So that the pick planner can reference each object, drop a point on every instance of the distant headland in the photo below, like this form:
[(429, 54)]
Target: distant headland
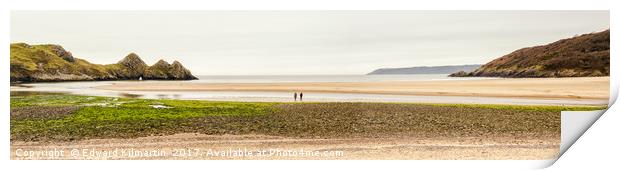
[(426, 69)]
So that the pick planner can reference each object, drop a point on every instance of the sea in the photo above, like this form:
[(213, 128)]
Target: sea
[(327, 78)]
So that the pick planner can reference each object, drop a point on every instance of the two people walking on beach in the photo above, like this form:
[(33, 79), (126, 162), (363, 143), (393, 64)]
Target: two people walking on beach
[(301, 96)]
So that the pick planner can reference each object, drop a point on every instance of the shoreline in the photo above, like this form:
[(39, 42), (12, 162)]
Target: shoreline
[(536, 88)]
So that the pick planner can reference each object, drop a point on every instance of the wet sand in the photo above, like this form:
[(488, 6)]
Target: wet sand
[(535, 88), (200, 146)]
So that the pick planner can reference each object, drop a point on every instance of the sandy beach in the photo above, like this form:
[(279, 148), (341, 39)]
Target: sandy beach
[(200, 146), (538, 88)]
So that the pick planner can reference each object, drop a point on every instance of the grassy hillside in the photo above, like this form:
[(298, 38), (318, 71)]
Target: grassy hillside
[(43, 63), (46, 63), (582, 56)]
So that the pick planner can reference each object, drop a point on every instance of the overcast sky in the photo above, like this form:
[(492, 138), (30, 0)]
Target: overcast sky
[(300, 42)]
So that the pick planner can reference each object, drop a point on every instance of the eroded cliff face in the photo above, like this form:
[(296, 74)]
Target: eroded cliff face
[(131, 67), (158, 71), (45, 63), (177, 71), (162, 70), (582, 56)]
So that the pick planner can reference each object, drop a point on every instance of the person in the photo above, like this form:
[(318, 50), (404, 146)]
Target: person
[(301, 96), (295, 96)]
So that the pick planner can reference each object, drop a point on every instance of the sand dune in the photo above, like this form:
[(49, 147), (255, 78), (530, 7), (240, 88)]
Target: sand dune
[(571, 88)]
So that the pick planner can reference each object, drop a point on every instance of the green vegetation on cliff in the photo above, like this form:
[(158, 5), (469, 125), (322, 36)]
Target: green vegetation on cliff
[(44, 63), (581, 56)]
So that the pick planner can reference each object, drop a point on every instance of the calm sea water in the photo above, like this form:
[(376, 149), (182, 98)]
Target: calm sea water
[(87, 88), (327, 78)]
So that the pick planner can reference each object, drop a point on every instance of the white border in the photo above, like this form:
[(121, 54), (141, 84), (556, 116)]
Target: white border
[(596, 148), (597, 144)]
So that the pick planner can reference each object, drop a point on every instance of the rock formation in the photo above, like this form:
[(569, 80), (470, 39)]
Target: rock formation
[(130, 67), (44, 63), (177, 71), (158, 71)]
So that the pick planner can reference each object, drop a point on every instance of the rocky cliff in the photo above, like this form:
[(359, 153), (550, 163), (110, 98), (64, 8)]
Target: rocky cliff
[(162, 70), (158, 71), (45, 63), (581, 56)]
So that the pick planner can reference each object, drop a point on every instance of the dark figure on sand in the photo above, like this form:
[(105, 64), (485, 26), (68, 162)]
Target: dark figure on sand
[(301, 96), (295, 96)]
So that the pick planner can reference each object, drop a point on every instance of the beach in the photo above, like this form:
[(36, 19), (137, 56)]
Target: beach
[(304, 85), (532, 88), (246, 147), (515, 119), (350, 130)]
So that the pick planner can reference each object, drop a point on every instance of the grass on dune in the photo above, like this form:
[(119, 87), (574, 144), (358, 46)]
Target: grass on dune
[(68, 117)]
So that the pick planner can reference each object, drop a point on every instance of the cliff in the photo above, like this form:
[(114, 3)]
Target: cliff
[(164, 71), (581, 56), (47, 63)]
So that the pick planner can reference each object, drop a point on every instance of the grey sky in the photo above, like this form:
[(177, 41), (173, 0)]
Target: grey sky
[(300, 42)]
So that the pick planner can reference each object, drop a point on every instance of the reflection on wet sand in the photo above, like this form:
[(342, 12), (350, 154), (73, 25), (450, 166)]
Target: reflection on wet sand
[(130, 95), (32, 93)]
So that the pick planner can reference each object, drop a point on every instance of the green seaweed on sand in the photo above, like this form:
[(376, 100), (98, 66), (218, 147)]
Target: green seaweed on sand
[(68, 117)]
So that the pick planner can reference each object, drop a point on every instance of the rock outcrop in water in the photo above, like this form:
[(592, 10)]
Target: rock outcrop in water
[(47, 63), (582, 56)]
